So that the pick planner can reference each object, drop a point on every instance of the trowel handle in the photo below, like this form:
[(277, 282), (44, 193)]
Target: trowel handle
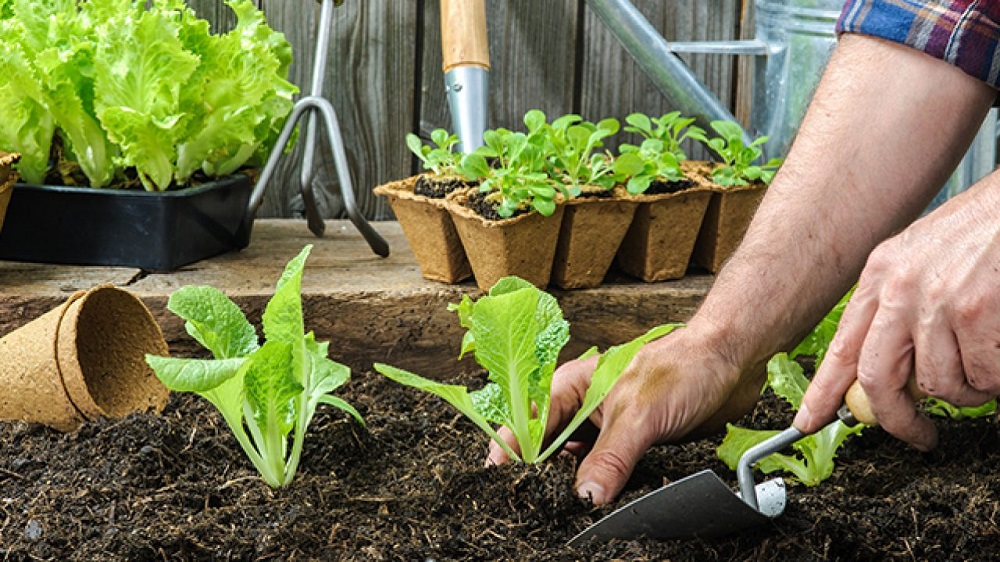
[(858, 408), (464, 41)]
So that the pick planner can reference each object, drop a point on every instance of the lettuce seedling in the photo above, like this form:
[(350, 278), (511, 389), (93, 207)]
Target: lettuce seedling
[(671, 128), (510, 167), (441, 159), (646, 163), (266, 393), (516, 333), (813, 461), (571, 146), (738, 166)]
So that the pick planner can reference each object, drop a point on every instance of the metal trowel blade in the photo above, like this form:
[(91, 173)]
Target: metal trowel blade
[(700, 505)]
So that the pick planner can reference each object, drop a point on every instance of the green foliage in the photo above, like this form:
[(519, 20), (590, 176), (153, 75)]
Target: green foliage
[(942, 409), (441, 158), (516, 333), (814, 454), (265, 393), (571, 145), (671, 128), (511, 167), (130, 84), (738, 166), (646, 163)]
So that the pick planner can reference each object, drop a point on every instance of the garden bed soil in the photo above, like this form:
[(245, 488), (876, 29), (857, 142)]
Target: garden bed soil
[(412, 486)]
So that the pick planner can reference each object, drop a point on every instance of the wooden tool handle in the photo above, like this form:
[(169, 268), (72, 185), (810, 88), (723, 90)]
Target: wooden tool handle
[(857, 402), (463, 34)]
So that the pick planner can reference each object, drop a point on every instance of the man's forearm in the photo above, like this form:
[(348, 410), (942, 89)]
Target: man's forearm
[(886, 127)]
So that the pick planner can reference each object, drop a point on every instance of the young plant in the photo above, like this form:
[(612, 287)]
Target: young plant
[(642, 165), (738, 166), (441, 158), (570, 145), (516, 180), (671, 128), (266, 393), (516, 333), (813, 461)]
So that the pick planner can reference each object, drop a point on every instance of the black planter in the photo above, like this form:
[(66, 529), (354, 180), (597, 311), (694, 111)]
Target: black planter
[(131, 228)]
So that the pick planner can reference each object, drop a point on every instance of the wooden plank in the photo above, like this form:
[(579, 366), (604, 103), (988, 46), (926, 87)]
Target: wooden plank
[(532, 57), (613, 85), (369, 81), (370, 308)]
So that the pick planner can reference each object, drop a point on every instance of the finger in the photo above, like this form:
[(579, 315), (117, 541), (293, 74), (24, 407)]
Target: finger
[(839, 368), (938, 364), (569, 385), (884, 370), (496, 454), (979, 342), (623, 440)]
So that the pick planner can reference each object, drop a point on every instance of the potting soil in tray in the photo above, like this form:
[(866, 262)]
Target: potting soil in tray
[(413, 487)]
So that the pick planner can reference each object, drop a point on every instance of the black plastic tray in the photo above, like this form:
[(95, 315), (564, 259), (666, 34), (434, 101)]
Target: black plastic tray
[(131, 228)]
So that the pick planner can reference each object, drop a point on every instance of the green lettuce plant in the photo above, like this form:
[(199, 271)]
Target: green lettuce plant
[(671, 128), (571, 148), (131, 86), (516, 333), (641, 165), (738, 166), (267, 394), (510, 168), (439, 157)]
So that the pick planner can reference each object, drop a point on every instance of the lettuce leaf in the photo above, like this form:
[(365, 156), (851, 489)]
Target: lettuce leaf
[(516, 333)]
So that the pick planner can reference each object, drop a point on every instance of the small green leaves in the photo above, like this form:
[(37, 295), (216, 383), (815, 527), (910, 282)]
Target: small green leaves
[(441, 159), (738, 167)]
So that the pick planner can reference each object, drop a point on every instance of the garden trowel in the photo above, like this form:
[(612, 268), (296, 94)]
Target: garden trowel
[(702, 505)]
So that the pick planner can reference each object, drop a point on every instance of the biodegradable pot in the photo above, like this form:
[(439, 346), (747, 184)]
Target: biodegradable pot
[(593, 227), (82, 360), (524, 245), (429, 230), (7, 179), (726, 220), (660, 240), (157, 231)]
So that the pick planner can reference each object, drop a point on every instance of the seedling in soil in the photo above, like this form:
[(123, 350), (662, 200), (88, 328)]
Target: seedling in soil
[(516, 333), (738, 160), (647, 163), (441, 158), (510, 169), (671, 128), (266, 393), (571, 146)]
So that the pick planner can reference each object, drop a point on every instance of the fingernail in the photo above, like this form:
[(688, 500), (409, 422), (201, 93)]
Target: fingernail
[(591, 491), (803, 418)]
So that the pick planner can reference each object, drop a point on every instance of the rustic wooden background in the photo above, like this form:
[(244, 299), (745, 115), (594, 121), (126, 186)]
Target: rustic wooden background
[(384, 76)]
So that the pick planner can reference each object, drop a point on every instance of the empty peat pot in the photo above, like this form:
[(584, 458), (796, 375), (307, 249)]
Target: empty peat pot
[(82, 360)]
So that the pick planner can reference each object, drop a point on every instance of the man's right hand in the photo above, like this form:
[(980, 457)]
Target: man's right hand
[(675, 387)]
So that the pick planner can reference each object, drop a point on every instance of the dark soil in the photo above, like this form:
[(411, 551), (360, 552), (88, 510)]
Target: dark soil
[(659, 186), (480, 203), (439, 187), (412, 486)]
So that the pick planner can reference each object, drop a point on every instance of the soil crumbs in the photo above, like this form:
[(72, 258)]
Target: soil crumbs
[(412, 486)]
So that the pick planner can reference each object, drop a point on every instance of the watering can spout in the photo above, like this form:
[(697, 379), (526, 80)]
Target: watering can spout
[(654, 55)]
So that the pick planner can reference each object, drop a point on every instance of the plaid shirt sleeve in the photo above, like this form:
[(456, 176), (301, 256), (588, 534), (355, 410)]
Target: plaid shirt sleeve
[(965, 33)]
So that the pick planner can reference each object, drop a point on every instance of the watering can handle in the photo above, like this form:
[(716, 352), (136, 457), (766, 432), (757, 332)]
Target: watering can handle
[(464, 41)]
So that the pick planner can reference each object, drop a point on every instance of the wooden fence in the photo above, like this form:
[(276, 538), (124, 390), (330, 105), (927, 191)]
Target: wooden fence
[(384, 76)]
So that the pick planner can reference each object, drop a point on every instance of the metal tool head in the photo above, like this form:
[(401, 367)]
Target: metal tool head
[(700, 505)]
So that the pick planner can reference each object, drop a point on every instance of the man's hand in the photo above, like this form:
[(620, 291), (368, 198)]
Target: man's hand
[(674, 387), (927, 306)]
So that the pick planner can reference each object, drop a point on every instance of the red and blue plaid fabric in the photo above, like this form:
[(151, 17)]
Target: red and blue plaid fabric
[(964, 33)]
